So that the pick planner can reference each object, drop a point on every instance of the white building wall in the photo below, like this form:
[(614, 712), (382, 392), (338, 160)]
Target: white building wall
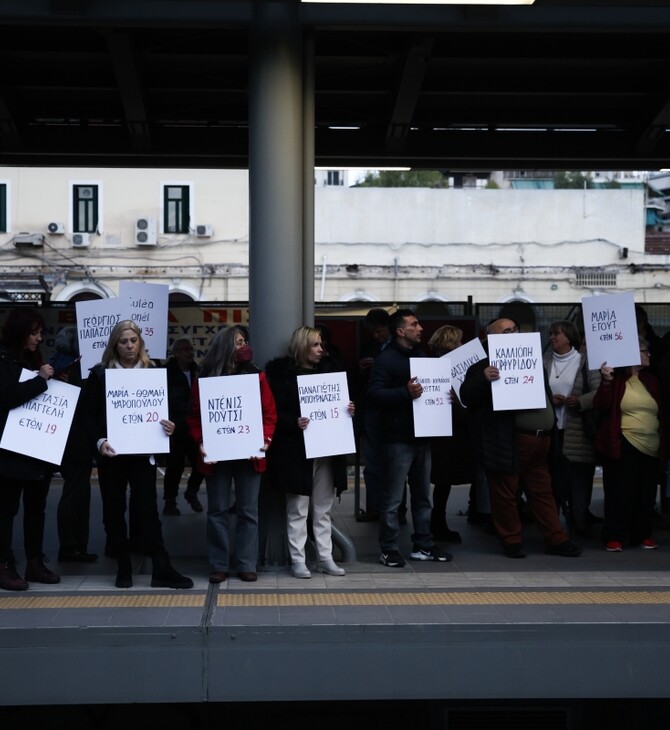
[(375, 244)]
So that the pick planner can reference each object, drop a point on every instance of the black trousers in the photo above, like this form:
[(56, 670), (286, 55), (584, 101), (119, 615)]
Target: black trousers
[(74, 506), (182, 447), (115, 474), (629, 484), (34, 508)]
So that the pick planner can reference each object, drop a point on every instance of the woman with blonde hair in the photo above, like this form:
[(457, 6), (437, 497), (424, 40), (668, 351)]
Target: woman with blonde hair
[(309, 484), (117, 472)]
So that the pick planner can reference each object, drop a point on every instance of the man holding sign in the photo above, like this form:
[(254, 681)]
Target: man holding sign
[(513, 446), (393, 391)]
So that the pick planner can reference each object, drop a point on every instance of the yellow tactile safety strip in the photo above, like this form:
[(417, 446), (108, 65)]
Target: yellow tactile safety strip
[(483, 598), (177, 600), (287, 600)]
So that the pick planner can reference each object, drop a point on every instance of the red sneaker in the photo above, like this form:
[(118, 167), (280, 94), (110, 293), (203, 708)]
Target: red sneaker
[(648, 544), (614, 546)]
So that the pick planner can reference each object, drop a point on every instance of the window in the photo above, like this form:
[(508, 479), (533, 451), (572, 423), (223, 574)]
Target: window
[(176, 207), (335, 177), (84, 208), (3, 208)]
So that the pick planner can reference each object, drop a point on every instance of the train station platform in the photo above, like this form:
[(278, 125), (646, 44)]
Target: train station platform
[(481, 627)]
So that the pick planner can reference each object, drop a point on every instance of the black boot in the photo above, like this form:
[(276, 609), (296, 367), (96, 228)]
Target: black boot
[(124, 572), (171, 508), (37, 572), (165, 576), (440, 530), (10, 580)]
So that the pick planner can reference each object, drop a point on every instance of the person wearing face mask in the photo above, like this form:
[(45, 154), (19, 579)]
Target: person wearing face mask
[(309, 484), (22, 475), (231, 354), (182, 372), (116, 472)]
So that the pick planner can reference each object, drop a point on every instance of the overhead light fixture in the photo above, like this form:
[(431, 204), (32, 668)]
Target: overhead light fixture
[(423, 2)]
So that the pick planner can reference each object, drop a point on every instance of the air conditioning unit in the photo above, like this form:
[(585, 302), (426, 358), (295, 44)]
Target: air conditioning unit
[(81, 240), (56, 229), (204, 231), (146, 232), (28, 240)]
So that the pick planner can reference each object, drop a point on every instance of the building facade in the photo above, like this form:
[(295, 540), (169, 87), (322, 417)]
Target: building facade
[(77, 232)]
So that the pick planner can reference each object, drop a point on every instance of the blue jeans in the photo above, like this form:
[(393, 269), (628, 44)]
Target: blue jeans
[(412, 462), (219, 490)]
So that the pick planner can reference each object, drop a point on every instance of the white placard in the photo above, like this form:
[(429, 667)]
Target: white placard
[(40, 427), (95, 322), (324, 399), (610, 328), (231, 416), (461, 359), (136, 402), (432, 409), (518, 357), (147, 306)]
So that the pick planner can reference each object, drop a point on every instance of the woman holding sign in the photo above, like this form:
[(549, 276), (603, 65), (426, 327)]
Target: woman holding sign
[(573, 388), (309, 484), (22, 475), (629, 438), (230, 354), (125, 349)]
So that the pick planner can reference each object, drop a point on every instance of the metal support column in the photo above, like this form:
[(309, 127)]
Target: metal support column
[(275, 178)]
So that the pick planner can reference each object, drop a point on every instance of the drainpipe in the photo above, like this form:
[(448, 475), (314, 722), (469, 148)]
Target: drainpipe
[(395, 279), (323, 277)]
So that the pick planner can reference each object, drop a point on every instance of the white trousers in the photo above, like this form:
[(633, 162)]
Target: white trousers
[(299, 507)]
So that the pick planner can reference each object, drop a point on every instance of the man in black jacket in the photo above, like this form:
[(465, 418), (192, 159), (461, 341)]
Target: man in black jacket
[(513, 448), (391, 390)]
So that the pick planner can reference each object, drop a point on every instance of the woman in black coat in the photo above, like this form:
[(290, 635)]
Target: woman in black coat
[(309, 484), (22, 475), (117, 472)]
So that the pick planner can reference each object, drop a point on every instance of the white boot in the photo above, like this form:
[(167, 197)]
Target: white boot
[(330, 567), (300, 570)]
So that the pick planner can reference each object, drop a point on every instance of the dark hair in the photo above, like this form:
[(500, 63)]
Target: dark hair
[(326, 334), (569, 329), (220, 358), (19, 325), (376, 317), (66, 340), (397, 318), (176, 345)]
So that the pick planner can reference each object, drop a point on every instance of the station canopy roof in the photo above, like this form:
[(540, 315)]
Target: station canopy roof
[(560, 84)]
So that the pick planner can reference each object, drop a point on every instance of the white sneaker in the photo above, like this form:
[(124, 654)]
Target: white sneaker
[(300, 570), (330, 567)]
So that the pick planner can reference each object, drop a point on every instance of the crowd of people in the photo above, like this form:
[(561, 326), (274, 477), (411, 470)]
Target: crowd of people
[(523, 465)]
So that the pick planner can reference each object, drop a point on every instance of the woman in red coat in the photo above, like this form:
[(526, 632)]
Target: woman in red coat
[(230, 354)]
